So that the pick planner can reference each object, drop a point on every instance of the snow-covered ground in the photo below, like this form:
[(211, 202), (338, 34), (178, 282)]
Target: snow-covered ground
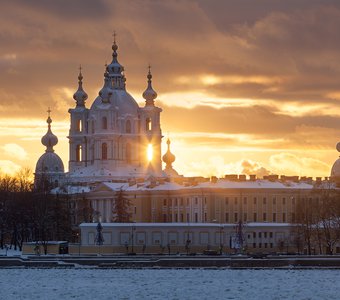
[(168, 284)]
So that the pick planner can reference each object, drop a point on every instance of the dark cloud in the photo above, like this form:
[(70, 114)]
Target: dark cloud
[(43, 43), (65, 9)]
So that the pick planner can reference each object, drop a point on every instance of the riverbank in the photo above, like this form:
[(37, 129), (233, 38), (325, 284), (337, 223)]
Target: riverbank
[(170, 261)]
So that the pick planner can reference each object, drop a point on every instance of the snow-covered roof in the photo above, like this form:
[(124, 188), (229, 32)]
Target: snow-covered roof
[(220, 184), (186, 225)]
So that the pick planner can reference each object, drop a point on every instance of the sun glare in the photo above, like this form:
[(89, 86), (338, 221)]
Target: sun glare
[(149, 152)]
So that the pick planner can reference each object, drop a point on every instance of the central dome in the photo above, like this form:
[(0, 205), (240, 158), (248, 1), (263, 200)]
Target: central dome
[(119, 100)]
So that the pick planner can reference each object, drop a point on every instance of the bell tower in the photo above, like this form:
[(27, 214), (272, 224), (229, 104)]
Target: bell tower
[(150, 129), (78, 129)]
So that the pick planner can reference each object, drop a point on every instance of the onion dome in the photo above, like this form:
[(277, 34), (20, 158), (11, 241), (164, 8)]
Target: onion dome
[(49, 139), (149, 94), (106, 91), (335, 172), (80, 95), (168, 157), (115, 69)]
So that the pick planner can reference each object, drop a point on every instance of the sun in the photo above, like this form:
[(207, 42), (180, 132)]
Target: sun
[(149, 152)]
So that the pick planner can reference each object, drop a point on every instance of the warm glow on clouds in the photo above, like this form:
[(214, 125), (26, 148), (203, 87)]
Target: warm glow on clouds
[(8, 167), (15, 150), (246, 90), (292, 164)]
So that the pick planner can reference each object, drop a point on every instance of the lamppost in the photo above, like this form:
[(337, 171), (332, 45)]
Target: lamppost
[(78, 240), (188, 241), (133, 228), (221, 238)]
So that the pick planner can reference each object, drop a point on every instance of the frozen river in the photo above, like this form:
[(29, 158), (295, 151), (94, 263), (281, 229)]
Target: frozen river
[(168, 284)]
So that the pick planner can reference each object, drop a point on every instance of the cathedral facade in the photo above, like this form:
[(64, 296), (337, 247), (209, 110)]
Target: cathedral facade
[(114, 138)]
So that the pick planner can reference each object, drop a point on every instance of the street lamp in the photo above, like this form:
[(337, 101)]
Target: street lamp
[(78, 240), (188, 241), (221, 238), (133, 228)]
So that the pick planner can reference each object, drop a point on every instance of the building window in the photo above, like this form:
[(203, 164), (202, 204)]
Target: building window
[(196, 201), (196, 217), (283, 201), (181, 201), (274, 201), (255, 217), (264, 201), (235, 201), (245, 200), (254, 245), (245, 217), (270, 235), (104, 123), (226, 200), (274, 217), (255, 201), (188, 218), (176, 218), (104, 151), (265, 235), (79, 126), (148, 124), (293, 217), (264, 217), (182, 218), (235, 217), (284, 218), (176, 203), (205, 217), (260, 235), (254, 235), (164, 218), (78, 153), (128, 126), (227, 217), (293, 200)]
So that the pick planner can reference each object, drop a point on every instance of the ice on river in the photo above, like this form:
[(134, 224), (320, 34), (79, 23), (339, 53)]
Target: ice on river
[(168, 284)]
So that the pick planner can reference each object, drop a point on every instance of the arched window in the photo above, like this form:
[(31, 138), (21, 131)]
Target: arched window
[(128, 153), (128, 126), (148, 124), (104, 151), (78, 153), (104, 123), (79, 126)]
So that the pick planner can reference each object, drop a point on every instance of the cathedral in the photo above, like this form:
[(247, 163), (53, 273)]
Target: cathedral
[(112, 140)]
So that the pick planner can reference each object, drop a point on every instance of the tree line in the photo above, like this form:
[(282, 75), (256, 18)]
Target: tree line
[(31, 214), (317, 224)]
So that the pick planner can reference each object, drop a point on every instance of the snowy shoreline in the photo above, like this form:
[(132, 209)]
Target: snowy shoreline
[(191, 284)]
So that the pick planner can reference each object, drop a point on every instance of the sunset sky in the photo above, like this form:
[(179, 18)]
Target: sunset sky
[(246, 86)]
